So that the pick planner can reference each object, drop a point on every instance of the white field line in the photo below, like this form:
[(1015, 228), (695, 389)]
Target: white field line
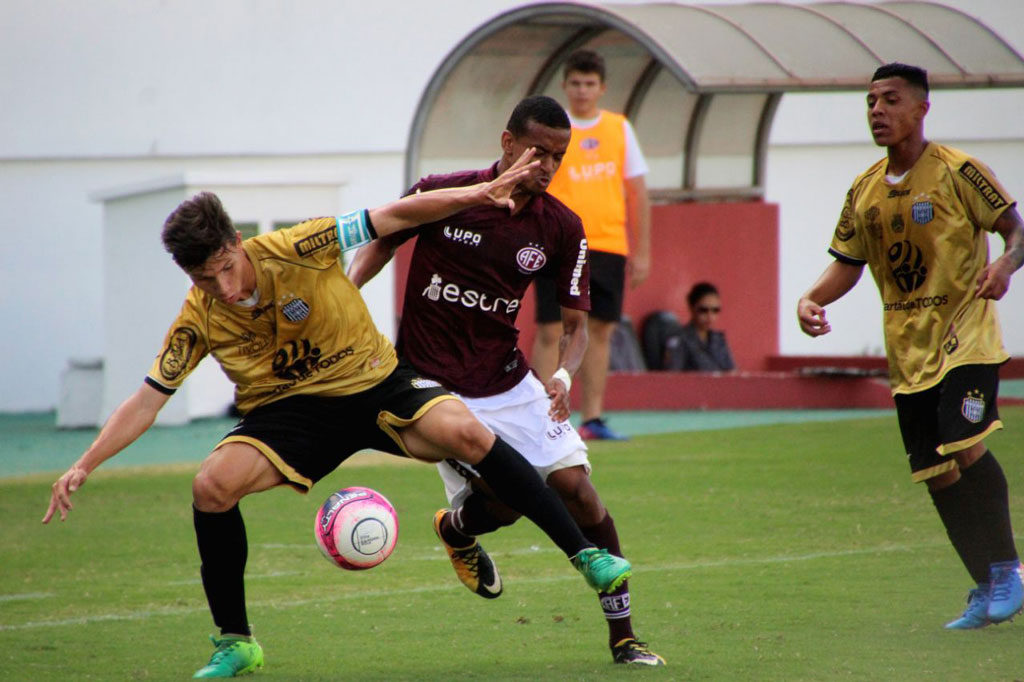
[(28, 596), (363, 594)]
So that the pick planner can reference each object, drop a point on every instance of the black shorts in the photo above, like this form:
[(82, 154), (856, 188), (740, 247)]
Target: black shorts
[(607, 283), (952, 416), (307, 436)]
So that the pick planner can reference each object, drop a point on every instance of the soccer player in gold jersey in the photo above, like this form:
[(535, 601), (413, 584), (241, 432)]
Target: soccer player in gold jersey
[(315, 382), (919, 219)]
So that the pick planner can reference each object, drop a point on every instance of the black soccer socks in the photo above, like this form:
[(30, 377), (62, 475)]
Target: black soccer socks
[(223, 551), (954, 505), (989, 496), (616, 603), (516, 483)]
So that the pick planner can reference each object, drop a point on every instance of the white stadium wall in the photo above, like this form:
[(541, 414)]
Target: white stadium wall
[(104, 94)]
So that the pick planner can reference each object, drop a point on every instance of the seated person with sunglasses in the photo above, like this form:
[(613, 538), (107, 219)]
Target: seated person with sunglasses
[(696, 346)]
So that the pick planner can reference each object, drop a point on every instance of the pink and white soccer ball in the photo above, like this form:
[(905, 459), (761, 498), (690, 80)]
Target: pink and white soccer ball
[(356, 528)]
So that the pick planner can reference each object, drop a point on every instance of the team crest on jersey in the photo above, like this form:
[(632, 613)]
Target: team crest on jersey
[(922, 211), (590, 143), (973, 406), (424, 383), (296, 310), (530, 258)]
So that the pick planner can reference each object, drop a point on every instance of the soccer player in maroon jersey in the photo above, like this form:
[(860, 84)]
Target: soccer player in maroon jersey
[(319, 383), (469, 273)]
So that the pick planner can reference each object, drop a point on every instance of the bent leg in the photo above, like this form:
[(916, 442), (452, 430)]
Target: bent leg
[(449, 429), (574, 486), (228, 474)]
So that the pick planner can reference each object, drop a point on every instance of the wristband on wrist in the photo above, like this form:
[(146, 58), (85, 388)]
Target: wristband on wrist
[(564, 377)]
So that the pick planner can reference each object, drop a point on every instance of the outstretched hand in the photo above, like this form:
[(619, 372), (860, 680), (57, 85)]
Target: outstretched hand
[(60, 497), (499, 190)]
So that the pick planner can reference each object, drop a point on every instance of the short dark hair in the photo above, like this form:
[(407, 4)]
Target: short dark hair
[(699, 291), (584, 61), (196, 230), (539, 109), (914, 75)]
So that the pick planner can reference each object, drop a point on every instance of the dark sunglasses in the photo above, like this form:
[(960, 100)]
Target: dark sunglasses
[(709, 309)]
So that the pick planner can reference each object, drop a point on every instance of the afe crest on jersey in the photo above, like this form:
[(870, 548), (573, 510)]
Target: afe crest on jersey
[(531, 259)]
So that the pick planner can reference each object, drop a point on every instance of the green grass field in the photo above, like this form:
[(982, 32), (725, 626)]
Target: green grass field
[(788, 552)]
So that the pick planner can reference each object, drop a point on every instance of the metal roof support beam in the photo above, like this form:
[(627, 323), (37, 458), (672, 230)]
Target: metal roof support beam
[(764, 129), (549, 71), (693, 134), (640, 88)]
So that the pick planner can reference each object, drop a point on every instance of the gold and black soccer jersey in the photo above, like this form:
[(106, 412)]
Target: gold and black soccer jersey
[(309, 333), (924, 239)]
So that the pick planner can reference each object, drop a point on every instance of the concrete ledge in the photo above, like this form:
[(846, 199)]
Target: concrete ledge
[(740, 391)]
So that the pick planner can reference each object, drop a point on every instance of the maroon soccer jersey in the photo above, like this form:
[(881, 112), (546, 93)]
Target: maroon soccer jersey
[(467, 279)]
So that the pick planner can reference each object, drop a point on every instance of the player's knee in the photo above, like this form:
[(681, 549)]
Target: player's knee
[(943, 480), (469, 440), (209, 494)]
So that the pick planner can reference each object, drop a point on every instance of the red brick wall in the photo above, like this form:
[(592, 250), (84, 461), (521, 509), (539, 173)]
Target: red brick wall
[(733, 245)]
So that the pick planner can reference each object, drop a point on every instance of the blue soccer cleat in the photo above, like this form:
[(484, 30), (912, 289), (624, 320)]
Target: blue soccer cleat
[(976, 614), (596, 429), (1006, 598)]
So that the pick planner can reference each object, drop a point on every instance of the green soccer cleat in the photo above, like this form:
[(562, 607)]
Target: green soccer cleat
[(472, 565), (632, 652), (235, 655), (603, 571)]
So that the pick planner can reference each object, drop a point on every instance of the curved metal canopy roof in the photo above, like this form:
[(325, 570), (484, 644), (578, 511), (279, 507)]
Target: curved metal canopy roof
[(700, 82)]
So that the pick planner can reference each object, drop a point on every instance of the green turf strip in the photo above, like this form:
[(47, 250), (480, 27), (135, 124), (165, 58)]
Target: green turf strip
[(30, 443), (786, 552)]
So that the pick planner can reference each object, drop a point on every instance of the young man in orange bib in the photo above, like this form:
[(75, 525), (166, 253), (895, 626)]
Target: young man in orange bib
[(602, 179)]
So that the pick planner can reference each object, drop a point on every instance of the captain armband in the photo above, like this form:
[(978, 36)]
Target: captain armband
[(355, 229)]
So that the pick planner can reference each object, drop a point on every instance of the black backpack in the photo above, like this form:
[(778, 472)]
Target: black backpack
[(658, 327), (625, 355)]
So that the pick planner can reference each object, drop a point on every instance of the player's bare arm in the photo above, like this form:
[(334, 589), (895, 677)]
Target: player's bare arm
[(994, 280), (837, 279), (426, 207), (571, 348), (638, 217), (129, 421), (370, 260)]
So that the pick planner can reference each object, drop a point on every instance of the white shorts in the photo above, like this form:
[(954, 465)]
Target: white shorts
[(520, 417)]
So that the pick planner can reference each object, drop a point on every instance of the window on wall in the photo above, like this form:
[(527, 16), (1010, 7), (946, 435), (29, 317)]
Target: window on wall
[(248, 229)]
